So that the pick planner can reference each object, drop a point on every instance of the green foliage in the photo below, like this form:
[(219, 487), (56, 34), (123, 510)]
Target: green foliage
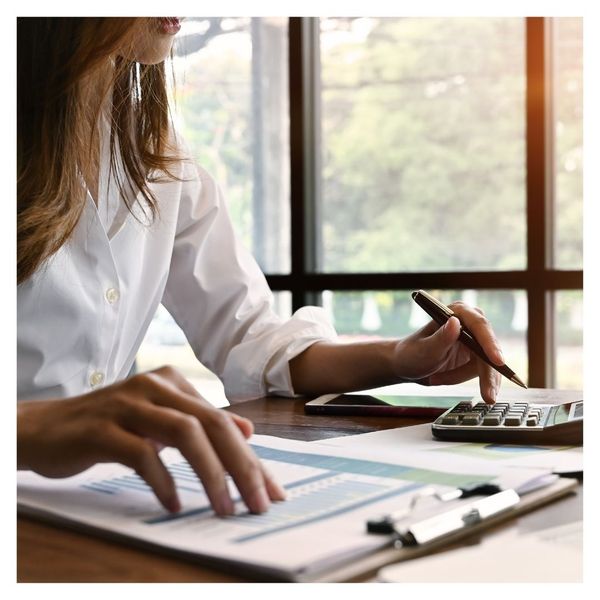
[(214, 103), (424, 155)]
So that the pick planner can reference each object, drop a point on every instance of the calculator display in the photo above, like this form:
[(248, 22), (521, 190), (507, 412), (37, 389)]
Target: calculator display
[(561, 415)]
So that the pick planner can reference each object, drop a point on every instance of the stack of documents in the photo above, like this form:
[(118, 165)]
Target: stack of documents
[(332, 492), (417, 443), (505, 558)]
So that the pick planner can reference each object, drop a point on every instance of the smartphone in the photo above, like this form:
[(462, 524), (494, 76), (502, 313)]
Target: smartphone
[(382, 405)]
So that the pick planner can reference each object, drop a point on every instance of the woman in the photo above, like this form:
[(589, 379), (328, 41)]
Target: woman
[(113, 218)]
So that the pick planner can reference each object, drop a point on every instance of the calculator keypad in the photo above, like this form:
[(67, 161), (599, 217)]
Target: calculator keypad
[(501, 414)]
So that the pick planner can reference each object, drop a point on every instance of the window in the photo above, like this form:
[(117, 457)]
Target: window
[(363, 158), (231, 103), (566, 80), (231, 96), (423, 144)]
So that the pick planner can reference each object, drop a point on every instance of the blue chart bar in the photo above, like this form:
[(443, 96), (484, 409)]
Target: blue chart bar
[(368, 467), (316, 497), (333, 463), (198, 511), (186, 479), (182, 473), (335, 496)]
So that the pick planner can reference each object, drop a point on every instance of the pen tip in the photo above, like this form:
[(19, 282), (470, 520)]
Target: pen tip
[(518, 381)]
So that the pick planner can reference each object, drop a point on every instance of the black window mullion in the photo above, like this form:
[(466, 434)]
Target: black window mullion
[(539, 331), (480, 280), (304, 74)]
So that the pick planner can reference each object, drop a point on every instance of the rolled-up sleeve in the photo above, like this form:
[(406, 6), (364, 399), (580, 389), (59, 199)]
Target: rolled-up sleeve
[(220, 298)]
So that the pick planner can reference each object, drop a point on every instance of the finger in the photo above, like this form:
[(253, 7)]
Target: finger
[(129, 449), (275, 490), (226, 439), (488, 378), (155, 444), (239, 460), (171, 376), (428, 329), (479, 326), (443, 339), (489, 382), (244, 425), (458, 375), (184, 432), (174, 376)]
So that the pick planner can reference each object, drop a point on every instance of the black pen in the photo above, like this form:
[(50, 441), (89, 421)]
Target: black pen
[(440, 313)]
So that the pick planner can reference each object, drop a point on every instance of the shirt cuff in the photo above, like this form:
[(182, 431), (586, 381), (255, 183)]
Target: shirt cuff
[(252, 372)]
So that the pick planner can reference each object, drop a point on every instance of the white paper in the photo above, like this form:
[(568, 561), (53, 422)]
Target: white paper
[(331, 494), (550, 556), (419, 439)]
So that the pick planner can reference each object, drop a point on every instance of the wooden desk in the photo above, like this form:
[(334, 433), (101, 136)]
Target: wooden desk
[(49, 554)]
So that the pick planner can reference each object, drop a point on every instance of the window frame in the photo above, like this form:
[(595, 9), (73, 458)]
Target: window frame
[(540, 279)]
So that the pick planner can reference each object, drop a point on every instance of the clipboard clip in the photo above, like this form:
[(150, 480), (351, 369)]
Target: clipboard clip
[(444, 523)]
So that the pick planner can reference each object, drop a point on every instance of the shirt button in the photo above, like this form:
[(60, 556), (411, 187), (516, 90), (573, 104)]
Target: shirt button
[(96, 378), (111, 295)]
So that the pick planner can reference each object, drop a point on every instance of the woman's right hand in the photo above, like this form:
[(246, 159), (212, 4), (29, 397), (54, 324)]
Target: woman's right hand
[(128, 421)]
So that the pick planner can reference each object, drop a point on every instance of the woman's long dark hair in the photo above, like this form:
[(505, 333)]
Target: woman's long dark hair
[(67, 71)]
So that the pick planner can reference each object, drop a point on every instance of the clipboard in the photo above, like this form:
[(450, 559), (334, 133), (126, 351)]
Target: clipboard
[(367, 567), (447, 522)]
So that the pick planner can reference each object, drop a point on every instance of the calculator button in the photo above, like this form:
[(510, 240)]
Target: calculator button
[(471, 419), (450, 420), (492, 420), (512, 420), (512, 413), (532, 421), (495, 416)]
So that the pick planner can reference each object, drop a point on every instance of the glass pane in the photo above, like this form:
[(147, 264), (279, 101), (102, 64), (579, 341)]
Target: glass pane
[(369, 315), (233, 109), (423, 153), (569, 339), (568, 145), (165, 344)]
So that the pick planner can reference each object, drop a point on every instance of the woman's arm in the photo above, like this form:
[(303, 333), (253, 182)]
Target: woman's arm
[(432, 356)]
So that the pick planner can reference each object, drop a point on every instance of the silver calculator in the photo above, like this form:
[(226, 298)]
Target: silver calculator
[(515, 422)]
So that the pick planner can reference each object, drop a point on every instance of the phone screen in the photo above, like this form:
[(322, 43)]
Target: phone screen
[(384, 404), (444, 402)]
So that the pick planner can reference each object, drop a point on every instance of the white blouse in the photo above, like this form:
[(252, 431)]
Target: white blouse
[(83, 315)]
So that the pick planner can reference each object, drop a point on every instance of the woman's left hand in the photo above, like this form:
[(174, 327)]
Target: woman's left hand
[(434, 356)]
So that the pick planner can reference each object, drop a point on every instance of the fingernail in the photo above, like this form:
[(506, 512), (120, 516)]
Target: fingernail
[(173, 505), (499, 357), (259, 501), (225, 504), (280, 492)]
